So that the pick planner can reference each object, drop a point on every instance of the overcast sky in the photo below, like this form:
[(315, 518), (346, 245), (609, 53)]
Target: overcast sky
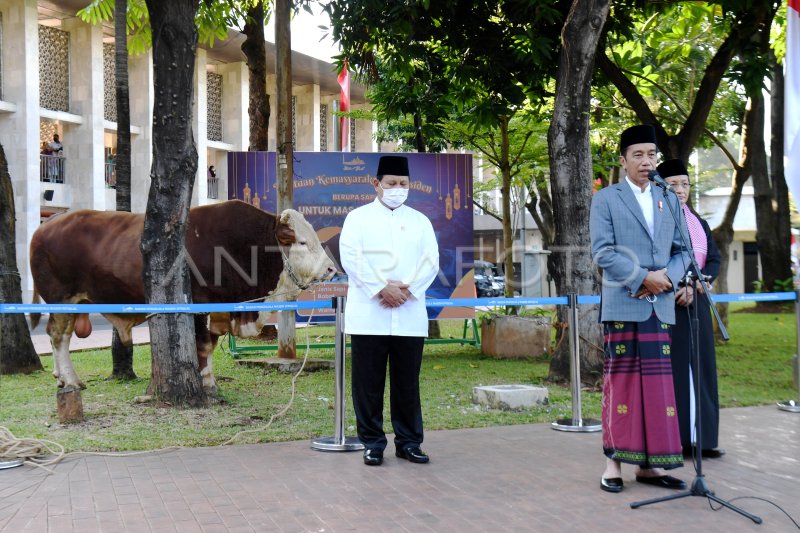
[(306, 34)]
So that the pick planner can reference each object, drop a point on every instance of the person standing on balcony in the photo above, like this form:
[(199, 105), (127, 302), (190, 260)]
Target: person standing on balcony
[(55, 145), (55, 165)]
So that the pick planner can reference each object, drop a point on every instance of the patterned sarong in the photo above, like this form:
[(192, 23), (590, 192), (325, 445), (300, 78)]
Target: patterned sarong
[(640, 424)]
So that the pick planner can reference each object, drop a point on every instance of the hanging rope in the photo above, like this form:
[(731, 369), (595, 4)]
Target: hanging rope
[(288, 405)]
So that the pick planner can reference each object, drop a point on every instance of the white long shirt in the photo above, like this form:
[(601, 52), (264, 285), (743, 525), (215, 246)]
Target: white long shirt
[(377, 245), (645, 199)]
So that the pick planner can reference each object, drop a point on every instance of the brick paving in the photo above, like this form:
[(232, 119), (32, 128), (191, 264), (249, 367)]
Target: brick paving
[(510, 478)]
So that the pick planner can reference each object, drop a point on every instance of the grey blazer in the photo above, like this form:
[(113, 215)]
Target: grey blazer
[(623, 248)]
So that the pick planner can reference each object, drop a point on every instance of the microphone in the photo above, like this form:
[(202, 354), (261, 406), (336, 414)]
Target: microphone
[(656, 178)]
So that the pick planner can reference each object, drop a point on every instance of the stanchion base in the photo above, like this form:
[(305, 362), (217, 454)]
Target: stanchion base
[(584, 425), (792, 406), (10, 463), (332, 444)]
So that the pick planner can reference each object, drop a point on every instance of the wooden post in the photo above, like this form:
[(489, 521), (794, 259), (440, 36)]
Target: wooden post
[(69, 405), (285, 150)]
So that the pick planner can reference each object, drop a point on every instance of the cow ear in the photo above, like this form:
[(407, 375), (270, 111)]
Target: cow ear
[(283, 231)]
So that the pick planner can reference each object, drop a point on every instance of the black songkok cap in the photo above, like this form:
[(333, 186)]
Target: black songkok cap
[(672, 167), (643, 133), (396, 165)]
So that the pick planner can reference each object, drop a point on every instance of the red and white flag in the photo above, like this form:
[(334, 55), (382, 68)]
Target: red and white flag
[(344, 105), (791, 104)]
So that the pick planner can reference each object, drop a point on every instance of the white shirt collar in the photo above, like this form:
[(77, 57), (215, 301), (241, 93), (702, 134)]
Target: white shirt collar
[(636, 188)]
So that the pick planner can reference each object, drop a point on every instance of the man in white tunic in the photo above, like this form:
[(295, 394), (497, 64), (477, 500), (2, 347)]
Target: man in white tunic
[(391, 257)]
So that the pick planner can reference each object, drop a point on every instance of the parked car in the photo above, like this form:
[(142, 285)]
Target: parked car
[(489, 282)]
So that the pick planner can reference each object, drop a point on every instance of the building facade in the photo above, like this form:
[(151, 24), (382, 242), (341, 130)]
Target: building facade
[(57, 78)]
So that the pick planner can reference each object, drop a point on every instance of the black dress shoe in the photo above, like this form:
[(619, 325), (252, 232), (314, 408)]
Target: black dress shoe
[(713, 453), (413, 454), (373, 457), (612, 484), (667, 482)]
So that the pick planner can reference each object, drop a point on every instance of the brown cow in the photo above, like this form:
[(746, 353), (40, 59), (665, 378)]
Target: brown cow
[(236, 253)]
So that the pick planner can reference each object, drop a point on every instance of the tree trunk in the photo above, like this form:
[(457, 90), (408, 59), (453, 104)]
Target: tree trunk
[(570, 263), (773, 252), (123, 159), (434, 329), (255, 51), (121, 355), (17, 355), (773, 230), (505, 191), (723, 234), (285, 157), (419, 139), (176, 377)]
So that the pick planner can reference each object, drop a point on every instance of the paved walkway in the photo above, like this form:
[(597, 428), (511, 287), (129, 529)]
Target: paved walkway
[(511, 478)]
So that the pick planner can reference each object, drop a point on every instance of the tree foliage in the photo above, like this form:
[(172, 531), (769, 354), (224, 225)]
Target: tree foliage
[(212, 18), (481, 61)]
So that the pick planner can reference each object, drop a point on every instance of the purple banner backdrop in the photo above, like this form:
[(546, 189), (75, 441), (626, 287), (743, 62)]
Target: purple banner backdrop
[(328, 185)]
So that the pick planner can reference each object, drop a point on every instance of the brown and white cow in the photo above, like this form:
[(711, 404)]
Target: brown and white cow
[(236, 253)]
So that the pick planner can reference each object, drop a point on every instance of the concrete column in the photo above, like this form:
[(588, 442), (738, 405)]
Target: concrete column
[(235, 91), (304, 118), (19, 124), (235, 118), (140, 81), (200, 127), (315, 121), (83, 143)]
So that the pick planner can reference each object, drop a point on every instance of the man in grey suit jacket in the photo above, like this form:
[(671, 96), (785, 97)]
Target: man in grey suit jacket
[(637, 245)]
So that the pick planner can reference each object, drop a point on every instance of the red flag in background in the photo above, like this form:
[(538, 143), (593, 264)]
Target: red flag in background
[(791, 100), (344, 105)]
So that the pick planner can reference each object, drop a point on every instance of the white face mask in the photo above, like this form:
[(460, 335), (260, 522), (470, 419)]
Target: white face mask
[(394, 197)]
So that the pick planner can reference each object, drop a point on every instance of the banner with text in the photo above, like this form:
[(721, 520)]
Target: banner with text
[(328, 185)]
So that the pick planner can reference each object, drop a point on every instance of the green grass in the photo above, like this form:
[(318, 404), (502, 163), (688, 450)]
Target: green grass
[(754, 368)]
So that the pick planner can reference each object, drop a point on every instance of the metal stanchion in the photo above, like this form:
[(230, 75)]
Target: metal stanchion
[(339, 442), (577, 423), (793, 406)]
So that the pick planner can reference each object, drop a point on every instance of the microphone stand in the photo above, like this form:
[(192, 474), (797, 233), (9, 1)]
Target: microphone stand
[(699, 486)]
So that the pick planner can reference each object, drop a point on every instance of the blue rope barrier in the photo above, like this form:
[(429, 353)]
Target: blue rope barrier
[(494, 302), (322, 304), (163, 308), (756, 297)]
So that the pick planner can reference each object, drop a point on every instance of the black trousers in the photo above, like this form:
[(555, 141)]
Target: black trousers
[(681, 354), (370, 354)]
